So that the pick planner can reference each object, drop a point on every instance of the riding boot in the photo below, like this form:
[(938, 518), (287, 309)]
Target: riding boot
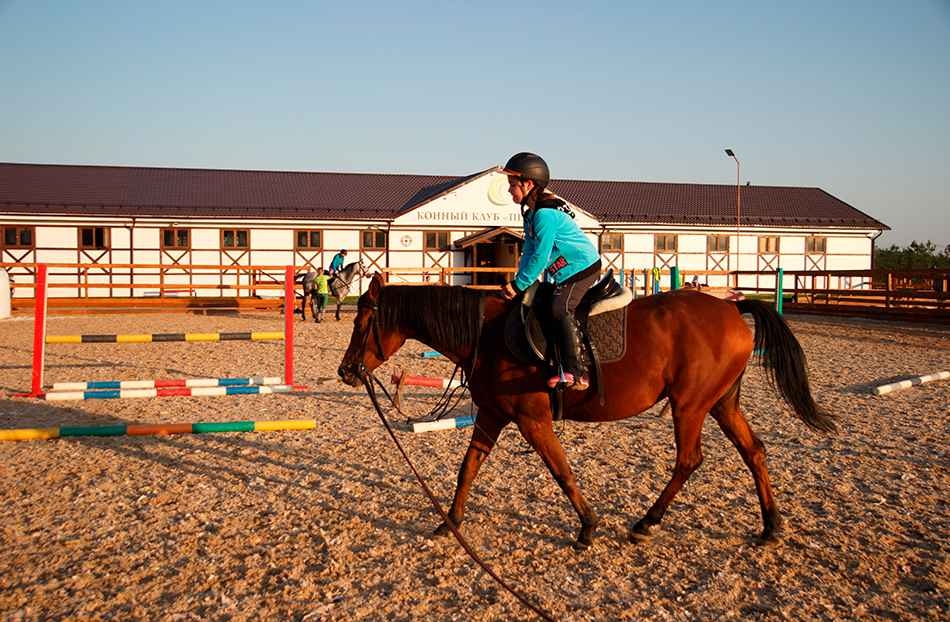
[(572, 359)]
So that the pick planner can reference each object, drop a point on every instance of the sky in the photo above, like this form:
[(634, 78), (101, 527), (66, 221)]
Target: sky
[(851, 97)]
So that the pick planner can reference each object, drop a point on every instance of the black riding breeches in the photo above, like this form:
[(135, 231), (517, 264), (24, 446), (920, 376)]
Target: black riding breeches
[(567, 295)]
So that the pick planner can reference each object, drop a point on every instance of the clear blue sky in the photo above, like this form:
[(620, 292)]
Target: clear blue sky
[(852, 97)]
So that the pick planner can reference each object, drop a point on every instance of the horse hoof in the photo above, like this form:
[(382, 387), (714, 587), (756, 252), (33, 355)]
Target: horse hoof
[(442, 531), (772, 531), (769, 537), (641, 532)]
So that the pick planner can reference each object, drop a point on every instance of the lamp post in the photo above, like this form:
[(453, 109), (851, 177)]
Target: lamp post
[(732, 155)]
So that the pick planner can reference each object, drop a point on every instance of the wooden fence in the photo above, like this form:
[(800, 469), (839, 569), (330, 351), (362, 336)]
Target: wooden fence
[(911, 294)]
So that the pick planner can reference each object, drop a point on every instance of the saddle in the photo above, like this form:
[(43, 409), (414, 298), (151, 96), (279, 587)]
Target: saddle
[(599, 314)]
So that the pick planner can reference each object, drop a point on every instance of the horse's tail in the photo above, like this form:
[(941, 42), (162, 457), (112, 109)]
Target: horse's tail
[(785, 363)]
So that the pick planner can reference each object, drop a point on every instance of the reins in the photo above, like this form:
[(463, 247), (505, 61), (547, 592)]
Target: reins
[(366, 376), (368, 379)]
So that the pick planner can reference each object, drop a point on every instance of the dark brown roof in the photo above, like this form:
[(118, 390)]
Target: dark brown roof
[(637, 201), (138, 191), (177, 192)]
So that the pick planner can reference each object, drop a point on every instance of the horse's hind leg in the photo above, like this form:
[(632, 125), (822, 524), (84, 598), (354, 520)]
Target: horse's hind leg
[(687, 429), (736, 428), (484, 436)]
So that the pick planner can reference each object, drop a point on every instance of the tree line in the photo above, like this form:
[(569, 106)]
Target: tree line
[(915, 256)]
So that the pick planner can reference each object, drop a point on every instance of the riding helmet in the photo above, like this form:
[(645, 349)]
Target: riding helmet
[(529, 166)]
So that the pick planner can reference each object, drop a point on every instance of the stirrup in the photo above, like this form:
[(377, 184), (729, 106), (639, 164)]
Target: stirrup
[(567, 378), (581, 383)]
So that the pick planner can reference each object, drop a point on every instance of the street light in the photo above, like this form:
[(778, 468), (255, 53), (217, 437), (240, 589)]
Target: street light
[(732, 155)]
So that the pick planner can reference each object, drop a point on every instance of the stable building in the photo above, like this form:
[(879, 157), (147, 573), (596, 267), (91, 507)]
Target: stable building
[(407, 226)]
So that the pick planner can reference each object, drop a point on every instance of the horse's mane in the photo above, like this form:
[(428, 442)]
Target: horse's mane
[(449, 316)]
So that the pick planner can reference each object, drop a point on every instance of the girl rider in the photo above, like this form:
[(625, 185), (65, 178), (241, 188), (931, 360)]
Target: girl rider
[(554, 244)]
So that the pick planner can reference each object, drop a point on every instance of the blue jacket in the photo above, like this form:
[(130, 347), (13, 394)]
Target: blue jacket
[(553, 242), (336, 263)]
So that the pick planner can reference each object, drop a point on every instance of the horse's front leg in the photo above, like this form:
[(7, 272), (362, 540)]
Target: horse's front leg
[(303, 307), (488, 426), (315, 308), (339, 305), (540, 435)]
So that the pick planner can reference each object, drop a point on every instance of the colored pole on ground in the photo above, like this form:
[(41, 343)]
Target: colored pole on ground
[(167, 337), (40, 296), (155, 429), (425, 381), (443, 424), (779, 295), (289, 325), (906, 384)]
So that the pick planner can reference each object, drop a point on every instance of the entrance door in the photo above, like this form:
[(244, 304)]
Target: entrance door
[(501, 252)]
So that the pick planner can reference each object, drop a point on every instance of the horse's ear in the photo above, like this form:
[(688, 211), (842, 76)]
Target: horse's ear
[(375, 285)]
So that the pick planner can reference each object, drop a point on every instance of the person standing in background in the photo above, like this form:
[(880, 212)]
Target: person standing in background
[(321, 285)]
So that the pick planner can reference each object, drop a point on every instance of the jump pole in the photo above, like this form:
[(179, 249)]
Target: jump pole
[(443, 424), (41, 297), (39, 330), (155, 429), (906, 384), (289, 305), (779, 294)]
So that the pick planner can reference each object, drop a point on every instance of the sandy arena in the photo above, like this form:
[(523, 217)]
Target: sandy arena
[(329, 524)]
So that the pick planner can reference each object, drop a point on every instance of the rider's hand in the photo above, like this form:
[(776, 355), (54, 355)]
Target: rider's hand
[(508, 291)]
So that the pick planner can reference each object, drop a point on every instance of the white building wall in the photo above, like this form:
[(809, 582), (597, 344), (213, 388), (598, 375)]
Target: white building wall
[(479, 204)]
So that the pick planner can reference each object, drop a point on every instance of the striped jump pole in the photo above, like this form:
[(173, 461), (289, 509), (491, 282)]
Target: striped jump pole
[(906, 384), (155, 429), (166, 383), (432, 354), (179, 387), (40, 339), (443, 424), (401, 378), (167, 337), (425, 381)]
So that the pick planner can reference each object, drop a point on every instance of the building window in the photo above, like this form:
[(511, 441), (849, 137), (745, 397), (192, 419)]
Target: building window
[(374, 240), (94, 238), (664, 243), (308, 240), (815, 245), (176, 239), (768, 245), (235, 238), (18, 237), (611, 243), (717, 243), (437, 240)]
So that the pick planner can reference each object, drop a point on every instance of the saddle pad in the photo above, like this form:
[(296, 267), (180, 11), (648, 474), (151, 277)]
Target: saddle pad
[(608, 334)]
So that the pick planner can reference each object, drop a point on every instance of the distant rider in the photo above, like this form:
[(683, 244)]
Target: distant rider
[(336, 264)]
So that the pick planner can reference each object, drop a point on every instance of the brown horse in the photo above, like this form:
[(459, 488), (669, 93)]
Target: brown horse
[(684, 345)]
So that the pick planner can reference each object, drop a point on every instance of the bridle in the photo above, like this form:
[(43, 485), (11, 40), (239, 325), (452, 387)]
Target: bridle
[(361, 371), (368, 378)]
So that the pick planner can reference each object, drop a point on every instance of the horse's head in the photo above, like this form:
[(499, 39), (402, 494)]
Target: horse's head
[(371, 342)]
